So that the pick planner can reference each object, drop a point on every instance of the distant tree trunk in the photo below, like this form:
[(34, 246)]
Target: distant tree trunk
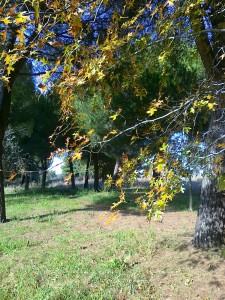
[(116, 169), (43, 180), (27, 181), (86, 178), (115, 173), (44, 174), (72, 178), (96, 171), (190, 193)]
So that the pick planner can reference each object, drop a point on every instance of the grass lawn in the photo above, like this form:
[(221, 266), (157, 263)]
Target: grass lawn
[(56, 247)]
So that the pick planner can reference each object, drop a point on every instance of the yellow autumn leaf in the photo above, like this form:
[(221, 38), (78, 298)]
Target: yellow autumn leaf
[(90, 132), (159, 168), (6, 21), (44, 61), (221, 145), (68, 177), (111, 218), (144, 205), (151, 111), (113, 117), (21, 18), (12, 176), (9, 69), (101, 216), (192, 110), (119, 182), (20, 35), (211, 106), (113, 132), (77, 156), (8, 59)]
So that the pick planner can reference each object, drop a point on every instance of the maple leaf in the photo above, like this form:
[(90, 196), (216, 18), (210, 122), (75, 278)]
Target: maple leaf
[(6, 21), (77, 156), (21, 18), (211, 106), (151, 111), (9, 69)]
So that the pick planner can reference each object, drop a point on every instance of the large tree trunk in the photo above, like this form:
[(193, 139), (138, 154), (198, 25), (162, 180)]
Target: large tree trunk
[(96, 171), (210, 222), (5, 101), (209, 230), (190, 193), (2, 194), (86, 178), (72, 178)]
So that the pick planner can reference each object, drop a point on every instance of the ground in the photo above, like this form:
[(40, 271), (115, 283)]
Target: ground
[(59, 247)]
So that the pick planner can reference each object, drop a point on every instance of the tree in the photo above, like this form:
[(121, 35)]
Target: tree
[(34, 118), (31, 30), (211, 215), (13, 159)]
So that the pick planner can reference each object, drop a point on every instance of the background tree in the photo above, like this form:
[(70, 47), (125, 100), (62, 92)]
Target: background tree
[(34, 118), (13, 159)]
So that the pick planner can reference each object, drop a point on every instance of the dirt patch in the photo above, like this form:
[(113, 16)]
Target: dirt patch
[(178, 270)]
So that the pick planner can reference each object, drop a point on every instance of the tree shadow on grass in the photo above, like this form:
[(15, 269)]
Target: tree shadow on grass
[(49, 215), (196, 256), (102, 202), (88, 208)]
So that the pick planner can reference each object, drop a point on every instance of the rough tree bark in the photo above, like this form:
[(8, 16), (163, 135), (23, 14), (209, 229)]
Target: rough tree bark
[(2, 194), (5, 101), (210, 224), (190, 193), (209, 230)]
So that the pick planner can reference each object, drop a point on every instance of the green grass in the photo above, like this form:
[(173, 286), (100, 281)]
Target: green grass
[(181, 202), (54, 248), (40, 204), (43, 257)]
